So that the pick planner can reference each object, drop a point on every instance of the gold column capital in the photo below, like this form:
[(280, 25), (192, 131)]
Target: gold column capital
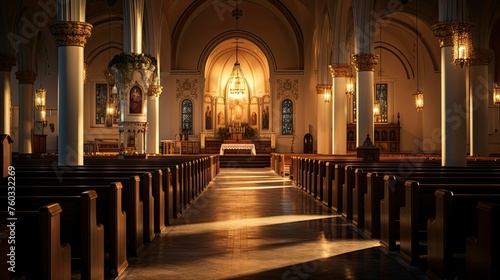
[(340, 70), (320, 89), (26, 76), (481, 57), (364, 61), (444, 32), (71, 33), (155, 90), (7, 61)]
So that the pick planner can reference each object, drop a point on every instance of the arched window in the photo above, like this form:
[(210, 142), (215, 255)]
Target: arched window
[(187, 116), (287, 117)]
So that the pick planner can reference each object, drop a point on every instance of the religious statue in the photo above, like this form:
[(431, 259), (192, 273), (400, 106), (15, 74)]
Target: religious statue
[(254, 118), (265, 118), (208, 118), (220, 118)]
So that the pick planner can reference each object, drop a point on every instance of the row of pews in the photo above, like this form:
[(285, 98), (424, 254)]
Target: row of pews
[(86, 222), (444, 220)]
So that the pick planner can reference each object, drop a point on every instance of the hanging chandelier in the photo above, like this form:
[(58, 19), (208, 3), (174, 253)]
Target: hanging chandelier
[(496, 94), (418, 95), (462, 41), (327, 94), (110, 104), (40, 97), (419, 100), (237, 80)]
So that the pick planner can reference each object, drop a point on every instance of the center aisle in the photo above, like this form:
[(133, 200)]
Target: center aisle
[(252, 224)]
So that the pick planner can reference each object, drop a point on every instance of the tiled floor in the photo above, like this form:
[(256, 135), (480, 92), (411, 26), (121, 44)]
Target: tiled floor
[(253, 224)]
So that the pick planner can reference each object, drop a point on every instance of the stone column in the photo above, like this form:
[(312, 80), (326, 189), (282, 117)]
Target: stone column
[(339, 104), (71, 37), (154, 119), (478, 102), (26, 106), (453, 102), (133, 11), (7, 61), (323, 120), (365, 95)]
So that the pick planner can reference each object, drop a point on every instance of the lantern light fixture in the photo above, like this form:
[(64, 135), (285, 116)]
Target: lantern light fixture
[(496, 94)]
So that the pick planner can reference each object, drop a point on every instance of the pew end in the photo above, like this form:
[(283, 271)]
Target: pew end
[(483, 250)]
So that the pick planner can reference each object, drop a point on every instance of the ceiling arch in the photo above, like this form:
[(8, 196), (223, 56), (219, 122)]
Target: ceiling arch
[(204, 20)]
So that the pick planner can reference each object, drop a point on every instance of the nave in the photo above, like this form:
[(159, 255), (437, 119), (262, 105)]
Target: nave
[(251, 223)]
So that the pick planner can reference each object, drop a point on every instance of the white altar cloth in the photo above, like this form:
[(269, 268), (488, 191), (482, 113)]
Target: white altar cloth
[(237, 146)]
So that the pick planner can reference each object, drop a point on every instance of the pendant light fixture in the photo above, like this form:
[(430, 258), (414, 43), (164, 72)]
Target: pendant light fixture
[(418, 95), (237, 80)]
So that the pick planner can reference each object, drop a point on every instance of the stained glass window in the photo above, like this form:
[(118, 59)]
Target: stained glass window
[(381, 92), (187, 116), (287, 117)]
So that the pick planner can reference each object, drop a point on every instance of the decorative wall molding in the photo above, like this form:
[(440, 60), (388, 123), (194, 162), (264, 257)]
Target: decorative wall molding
[(186, 88), (287, 88)]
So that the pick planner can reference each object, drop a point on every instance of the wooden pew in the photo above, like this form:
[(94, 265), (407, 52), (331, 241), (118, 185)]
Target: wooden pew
[(132, 204), (79, 228), (419, 206), (4, 251), (38, 250), (394, 199), (447, 234), (374, 194), (482, 251)]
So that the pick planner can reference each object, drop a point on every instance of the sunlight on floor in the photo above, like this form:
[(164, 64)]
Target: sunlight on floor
[(233, 224)]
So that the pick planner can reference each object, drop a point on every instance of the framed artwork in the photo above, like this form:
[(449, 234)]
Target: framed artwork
[(135, 101)]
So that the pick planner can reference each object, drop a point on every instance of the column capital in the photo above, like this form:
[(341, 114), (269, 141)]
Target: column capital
[(7, 61), (444, 32), (26, 76), (340, 70), (320, 89), (155, 90), (364, 61), (71, 33), (481, 57)]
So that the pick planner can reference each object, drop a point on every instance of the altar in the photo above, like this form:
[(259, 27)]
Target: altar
[(238, 146)]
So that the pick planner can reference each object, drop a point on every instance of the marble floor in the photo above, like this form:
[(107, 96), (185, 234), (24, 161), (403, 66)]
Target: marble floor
[(253, 224)]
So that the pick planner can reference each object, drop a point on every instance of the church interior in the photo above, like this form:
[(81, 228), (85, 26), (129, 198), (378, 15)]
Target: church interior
[(87, 84)]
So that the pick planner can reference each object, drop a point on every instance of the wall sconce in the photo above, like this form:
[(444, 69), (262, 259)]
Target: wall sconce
[(462, 43), (350, 86), (419, 100), (496, 94), (327, 95), (40, 98)]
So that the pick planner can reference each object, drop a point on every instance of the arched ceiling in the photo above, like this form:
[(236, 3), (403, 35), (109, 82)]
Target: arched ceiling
[(264, 22), (254, 65)]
